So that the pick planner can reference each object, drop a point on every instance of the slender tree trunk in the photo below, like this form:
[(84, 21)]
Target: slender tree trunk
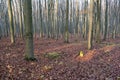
[(56, 20), (66, 27), (53, 20), (41, 22), (90, 34), (49, 19), (98, 21), (106, 21), (0, 32), (14, 17), (20, 19), (10, 14), (77, 20)]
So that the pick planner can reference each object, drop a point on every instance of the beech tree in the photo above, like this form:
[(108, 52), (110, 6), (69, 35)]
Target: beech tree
[(62, 19), (10, 14), (98, 21), (106, 21), (20, 18), (90, 34), (41, 22), (67, 19), (29, 52), (0, 32)]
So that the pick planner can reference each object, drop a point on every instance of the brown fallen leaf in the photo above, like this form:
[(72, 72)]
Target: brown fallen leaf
[(9, 68)]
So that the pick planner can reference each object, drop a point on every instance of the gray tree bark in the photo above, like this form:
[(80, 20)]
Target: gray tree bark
[(29, 51)]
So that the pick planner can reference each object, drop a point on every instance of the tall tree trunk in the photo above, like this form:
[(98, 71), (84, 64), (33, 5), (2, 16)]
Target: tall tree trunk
[(41, 22), (85, 18), (29, 54), (67, 18), (77, 20), (106, 21), (90, 34), (10, 14), (56, 24), (20, 19), (98, 21), (49, 20), (0, 32)]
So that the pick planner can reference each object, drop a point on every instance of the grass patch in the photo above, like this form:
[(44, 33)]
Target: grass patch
[(52, 55)]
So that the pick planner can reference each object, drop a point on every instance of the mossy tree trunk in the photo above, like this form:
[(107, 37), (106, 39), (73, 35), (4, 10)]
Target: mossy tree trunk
[(29, 54), (10, 14)]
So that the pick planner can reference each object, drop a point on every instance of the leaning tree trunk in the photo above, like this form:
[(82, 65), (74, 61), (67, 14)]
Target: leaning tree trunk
[(10, 14), (29, 54)]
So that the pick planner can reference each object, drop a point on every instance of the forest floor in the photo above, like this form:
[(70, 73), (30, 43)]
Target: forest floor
[(101, 63)]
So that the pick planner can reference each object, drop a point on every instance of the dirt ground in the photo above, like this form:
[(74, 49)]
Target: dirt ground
[(101, 63)]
